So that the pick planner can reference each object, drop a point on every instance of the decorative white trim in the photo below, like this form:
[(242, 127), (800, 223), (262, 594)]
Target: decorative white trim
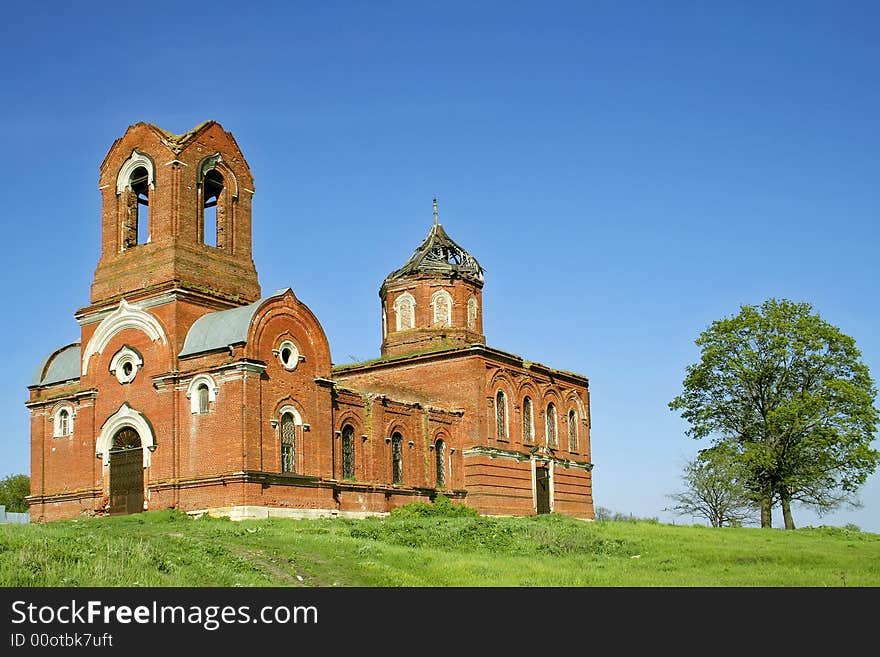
[(193, 387), (124, 317), (123, 357), (406, 297), (136, 160), (297, 418), (125, 417), (292, 360), (55, 418), (441, 294)]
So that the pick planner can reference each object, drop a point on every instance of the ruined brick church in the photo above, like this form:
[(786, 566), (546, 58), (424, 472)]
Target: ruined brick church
[(190, 389)]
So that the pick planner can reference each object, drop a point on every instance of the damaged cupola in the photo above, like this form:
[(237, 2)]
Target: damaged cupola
[(435, 300)]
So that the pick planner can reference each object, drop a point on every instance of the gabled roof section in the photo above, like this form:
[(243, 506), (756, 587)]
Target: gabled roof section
[(440, 255), (61, 365), (177, 142), (220, 329)]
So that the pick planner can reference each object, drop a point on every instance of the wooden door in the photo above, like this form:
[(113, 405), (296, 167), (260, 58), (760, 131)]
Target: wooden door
[(126, 474), (542, 484)]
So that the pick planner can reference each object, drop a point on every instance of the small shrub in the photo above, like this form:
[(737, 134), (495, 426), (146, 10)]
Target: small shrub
[(442, 507)]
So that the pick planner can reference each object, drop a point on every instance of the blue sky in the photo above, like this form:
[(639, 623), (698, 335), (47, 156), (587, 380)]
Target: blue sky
[(626, 172)]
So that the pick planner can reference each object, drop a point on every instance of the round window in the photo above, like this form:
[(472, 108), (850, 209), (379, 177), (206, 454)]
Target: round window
[(125, 364), (288, 354)]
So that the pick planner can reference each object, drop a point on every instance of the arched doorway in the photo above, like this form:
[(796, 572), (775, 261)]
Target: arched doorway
[(126, 473)]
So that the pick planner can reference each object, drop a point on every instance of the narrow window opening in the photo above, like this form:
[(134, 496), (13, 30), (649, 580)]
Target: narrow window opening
[(348, 452), (440, 456), (211, 209), (63, 423), (501, 414), (127, 368), (397, 458), (527, 429), (137, 222), (203, 398), (551, 425), (288, 443), (572, 431)]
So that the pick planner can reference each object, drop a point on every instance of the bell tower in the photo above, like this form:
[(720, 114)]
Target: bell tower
[(435, 300), (176, 219)]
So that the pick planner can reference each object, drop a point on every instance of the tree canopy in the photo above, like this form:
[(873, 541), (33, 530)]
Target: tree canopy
[(715, 489), (13, 490), (791, 392)]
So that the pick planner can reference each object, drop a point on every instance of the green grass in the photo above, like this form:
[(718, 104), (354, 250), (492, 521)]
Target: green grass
[(166, 548)]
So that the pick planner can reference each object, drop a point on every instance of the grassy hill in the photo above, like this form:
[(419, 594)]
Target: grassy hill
[(167, 548)]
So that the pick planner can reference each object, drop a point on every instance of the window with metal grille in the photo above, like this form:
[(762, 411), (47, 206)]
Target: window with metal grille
[(440, 456), (348, 452), (501, 414), (203, 398), (572, 431), (528, 428), (126, 438), (288, 443), (551, 425), (397, 458)]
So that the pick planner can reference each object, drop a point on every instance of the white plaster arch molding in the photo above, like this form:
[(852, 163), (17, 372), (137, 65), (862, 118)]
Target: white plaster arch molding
[(126, 416), (297, 418), (136, 160), (57, 429), (198, 380), (124, 317)]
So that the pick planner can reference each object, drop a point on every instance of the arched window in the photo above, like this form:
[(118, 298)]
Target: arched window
[(63, 422), (501, 414), (203, 393), (397, 458), (440, 458), (551, 424), (472, 313), (405, 310), (528, 428), (133, 184), (348, 452), (212, 209), (441, 302), (288, 443), (572, 431)]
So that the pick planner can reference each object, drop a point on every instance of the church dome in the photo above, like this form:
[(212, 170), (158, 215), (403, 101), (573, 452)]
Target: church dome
[(440, 255)]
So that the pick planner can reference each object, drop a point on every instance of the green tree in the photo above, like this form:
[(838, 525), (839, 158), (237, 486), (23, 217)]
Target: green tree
[(13, 490), (716, 488), (790, 390)]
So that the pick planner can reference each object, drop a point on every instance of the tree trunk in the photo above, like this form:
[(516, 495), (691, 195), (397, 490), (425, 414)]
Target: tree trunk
[(786, 512), (766, 512)]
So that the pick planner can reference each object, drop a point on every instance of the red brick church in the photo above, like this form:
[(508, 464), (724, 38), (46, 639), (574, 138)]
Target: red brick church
[(191, 389)]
